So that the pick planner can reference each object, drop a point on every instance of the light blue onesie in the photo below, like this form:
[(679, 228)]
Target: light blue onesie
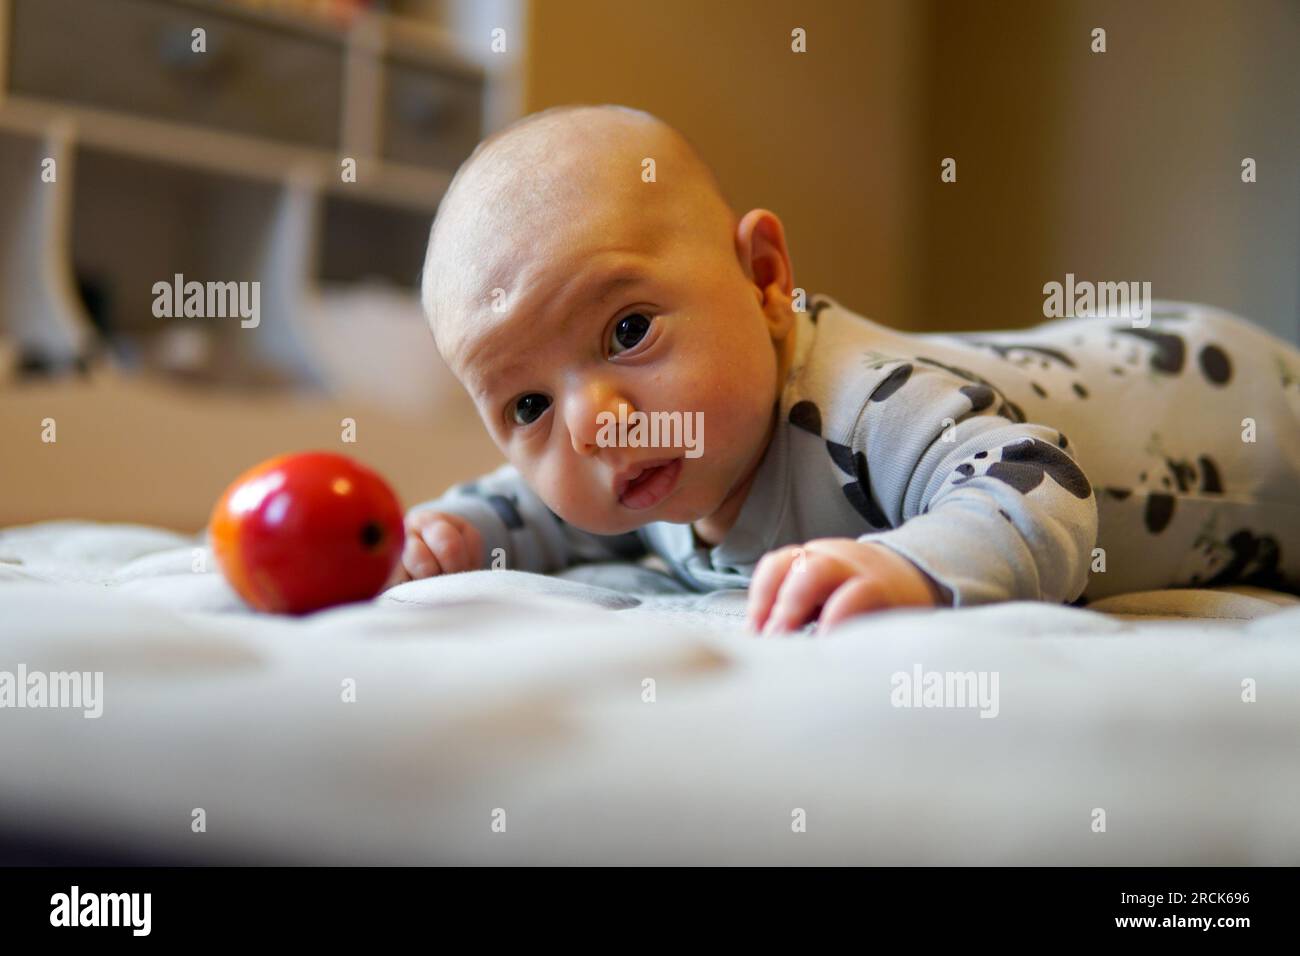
[(1066, 462)]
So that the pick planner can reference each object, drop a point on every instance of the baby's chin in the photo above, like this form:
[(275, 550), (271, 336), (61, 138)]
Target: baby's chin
[(618, 519)]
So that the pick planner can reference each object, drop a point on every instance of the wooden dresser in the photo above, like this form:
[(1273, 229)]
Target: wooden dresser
[(233, 162)]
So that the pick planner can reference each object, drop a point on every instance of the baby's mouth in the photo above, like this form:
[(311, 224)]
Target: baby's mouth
[(645, 485)]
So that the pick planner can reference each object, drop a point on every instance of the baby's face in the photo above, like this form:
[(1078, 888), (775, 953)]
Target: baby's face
[(629, 306)]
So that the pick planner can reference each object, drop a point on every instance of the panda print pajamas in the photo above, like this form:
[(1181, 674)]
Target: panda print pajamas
[(1077, 459)]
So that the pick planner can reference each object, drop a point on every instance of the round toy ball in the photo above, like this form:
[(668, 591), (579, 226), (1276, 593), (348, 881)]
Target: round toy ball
[(301, 532)]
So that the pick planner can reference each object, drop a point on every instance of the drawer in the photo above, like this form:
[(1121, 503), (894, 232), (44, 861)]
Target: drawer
[(430, 118), (256, 78)]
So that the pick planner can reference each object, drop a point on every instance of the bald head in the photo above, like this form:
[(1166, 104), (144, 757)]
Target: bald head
[(537, 197)]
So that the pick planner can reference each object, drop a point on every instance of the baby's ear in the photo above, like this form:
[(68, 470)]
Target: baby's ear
[(760, 244)]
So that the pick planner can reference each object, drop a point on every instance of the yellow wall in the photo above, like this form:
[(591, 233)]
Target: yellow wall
[(1118, 166), (822, 138)]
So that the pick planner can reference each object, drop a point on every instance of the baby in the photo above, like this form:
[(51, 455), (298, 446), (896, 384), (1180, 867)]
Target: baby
[(585, 277)]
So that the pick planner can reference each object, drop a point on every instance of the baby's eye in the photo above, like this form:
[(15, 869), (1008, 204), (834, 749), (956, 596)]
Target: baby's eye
[(628, 331), (529, 408)]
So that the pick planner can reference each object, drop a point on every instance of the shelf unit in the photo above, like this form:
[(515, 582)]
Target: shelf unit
[(223, 165)]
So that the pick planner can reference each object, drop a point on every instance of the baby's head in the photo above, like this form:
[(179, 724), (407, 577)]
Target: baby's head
[(567, 275)]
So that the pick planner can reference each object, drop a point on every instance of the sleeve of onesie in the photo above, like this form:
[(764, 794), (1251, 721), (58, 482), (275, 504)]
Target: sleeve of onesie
[(511, 517), (989, 508)]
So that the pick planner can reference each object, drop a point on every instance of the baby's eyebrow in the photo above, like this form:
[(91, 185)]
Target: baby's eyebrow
[(592, 292), (600, 288), (613, 283)]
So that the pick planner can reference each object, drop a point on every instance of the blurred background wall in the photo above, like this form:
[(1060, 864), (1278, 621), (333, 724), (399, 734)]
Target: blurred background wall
[(1150, 170), (1115, 166), (1123, 165), (827, 139)]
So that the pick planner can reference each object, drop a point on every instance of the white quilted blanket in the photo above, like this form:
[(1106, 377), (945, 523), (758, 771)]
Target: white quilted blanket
[(606, 718)]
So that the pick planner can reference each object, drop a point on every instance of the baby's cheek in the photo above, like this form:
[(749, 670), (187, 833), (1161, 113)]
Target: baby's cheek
[(543, 477), (565, 489), (736, 416)]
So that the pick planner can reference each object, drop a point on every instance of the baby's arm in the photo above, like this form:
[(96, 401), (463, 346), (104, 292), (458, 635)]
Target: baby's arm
[(985, 508), (498, 521)]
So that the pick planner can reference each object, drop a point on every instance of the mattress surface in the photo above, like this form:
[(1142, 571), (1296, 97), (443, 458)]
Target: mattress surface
[(607, 717)]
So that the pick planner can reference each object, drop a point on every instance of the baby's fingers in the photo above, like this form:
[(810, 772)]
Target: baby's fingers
[(856, 596), (472, 539), (765, 584), (417, 560), (809, 583), (447, 544)]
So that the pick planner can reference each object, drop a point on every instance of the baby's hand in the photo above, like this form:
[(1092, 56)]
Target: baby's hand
[(840, 576), (439, 543)]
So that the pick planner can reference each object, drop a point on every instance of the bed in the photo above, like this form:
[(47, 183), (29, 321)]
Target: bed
[(606, 716)]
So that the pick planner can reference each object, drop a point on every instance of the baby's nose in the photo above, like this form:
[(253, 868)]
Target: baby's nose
[(593, 416)]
